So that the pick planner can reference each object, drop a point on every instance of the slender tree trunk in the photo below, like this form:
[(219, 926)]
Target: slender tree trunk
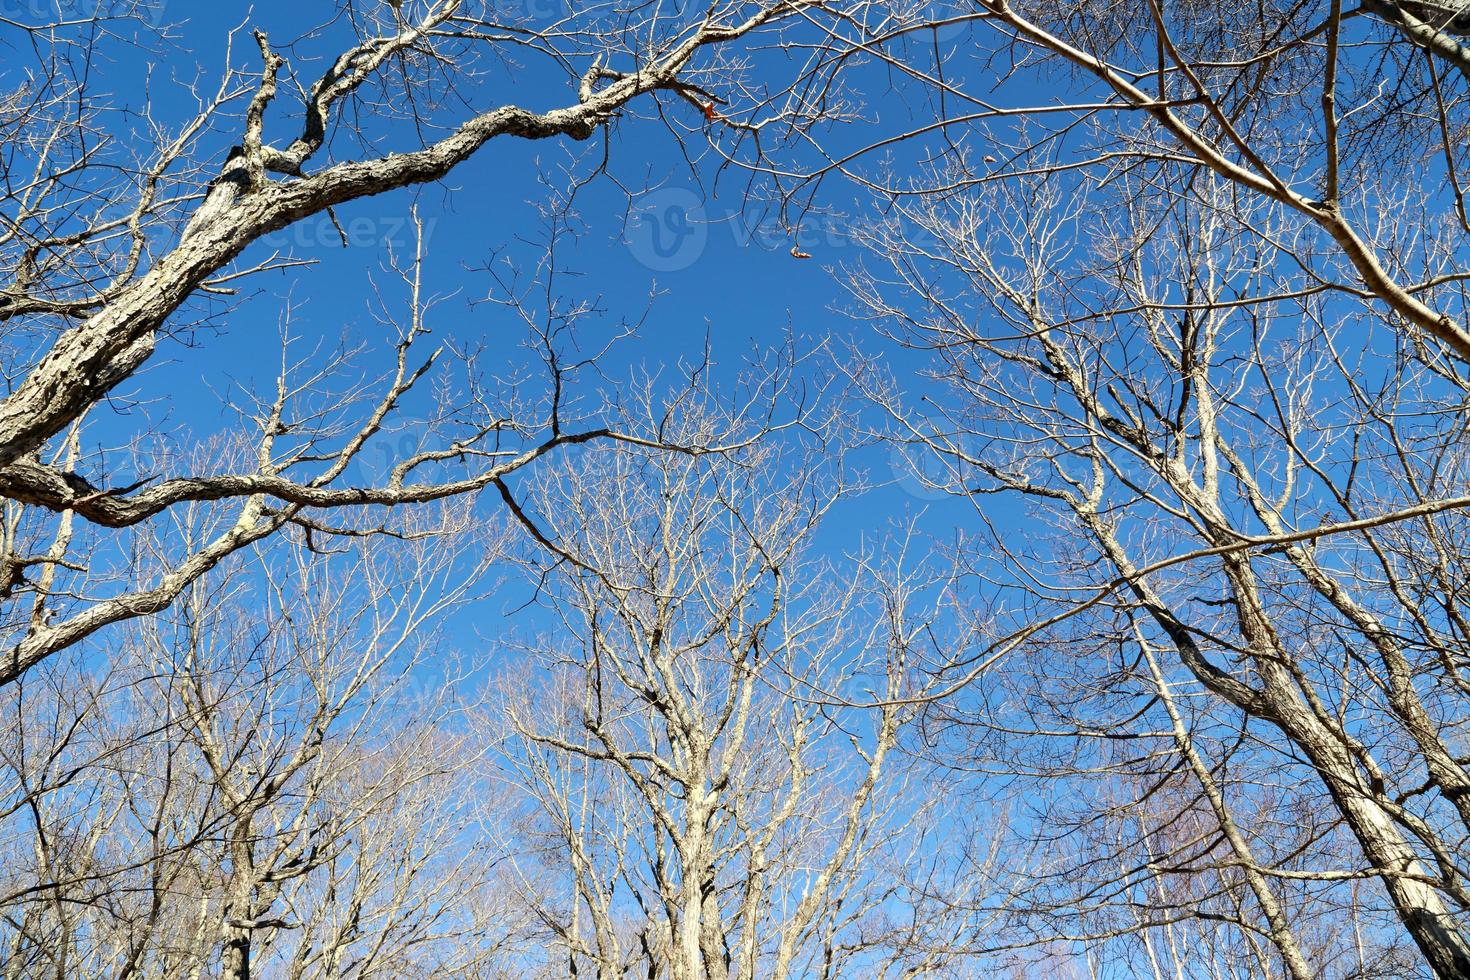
[(1279, 929)]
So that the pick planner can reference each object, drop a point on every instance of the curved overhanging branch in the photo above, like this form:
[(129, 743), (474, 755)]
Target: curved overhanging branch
[(34, 483), (88, 361)]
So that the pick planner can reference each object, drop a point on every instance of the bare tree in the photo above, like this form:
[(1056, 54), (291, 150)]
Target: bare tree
[(693, 807), (269, 780), (1203, 310), (1241, 469)]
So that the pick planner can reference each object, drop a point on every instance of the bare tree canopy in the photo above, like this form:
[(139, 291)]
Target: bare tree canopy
[(1198, 313), (875, 489), (709, 823), (122, 221)]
